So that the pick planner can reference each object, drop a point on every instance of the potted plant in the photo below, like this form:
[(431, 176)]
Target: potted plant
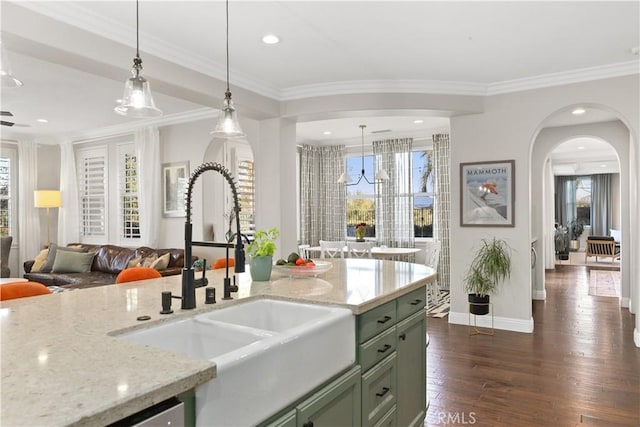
[(561, 240), (361, 229), (261, 251), (576, 227), (489, 267)]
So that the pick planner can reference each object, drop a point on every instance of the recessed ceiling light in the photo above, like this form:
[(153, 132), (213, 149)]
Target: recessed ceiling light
[(635, 50), (118, 101), (42, 120), (578, 111), (418, 121), (581, 147), (603, 166), (270, 39), (326, 132)]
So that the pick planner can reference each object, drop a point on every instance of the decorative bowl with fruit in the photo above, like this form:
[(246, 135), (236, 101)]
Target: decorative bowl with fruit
[(296, 266)]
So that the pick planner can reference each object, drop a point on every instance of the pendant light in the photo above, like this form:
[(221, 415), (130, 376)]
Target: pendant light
[(6, 76), (228, 125), (380, 175), (137, 100)]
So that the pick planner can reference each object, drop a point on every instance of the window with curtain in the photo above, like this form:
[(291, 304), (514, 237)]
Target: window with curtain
[(573, 199), (361, 198)]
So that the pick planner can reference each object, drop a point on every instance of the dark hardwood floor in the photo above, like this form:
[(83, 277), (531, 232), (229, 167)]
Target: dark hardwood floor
[(579, 367)]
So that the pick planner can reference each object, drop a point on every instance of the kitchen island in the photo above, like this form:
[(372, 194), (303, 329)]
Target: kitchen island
[(62, 363)]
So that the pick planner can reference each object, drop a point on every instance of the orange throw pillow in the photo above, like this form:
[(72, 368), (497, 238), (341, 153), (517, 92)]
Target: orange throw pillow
[(15, 290), (222, 263), (137, 273)]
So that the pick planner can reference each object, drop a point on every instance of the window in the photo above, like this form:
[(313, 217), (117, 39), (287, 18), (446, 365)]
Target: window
[(92, 188), (8, 181), (361, 197), (128, 176), (583, 199), (108, 216), (423, 194), (246, 191)]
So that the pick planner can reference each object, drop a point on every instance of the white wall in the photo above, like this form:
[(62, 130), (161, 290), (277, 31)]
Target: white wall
[(506, 130)]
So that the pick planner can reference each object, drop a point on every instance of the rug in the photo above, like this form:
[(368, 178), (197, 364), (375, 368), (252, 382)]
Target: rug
[(604, 283), (441, 307)]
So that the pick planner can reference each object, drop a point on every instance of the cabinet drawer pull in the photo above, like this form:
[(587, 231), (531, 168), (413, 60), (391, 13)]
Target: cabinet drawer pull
[(384, 349), (402, 336), (415, 302), (385, 319), (308, 424), (385, 390)]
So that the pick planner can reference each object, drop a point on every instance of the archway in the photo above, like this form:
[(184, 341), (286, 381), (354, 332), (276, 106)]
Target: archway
[(612, 131)]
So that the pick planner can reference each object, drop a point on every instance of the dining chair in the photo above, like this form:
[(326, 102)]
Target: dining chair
[(359, 249), (432, 258), (331, 249), (15, 290), (137, 273), (302, 251)]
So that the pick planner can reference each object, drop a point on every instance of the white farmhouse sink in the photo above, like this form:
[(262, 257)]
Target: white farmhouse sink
[(268, 353)]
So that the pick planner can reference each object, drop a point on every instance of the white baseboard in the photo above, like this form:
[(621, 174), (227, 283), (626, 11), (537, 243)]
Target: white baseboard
[(504, 323), (541, 295), (624, 302), (636, 337)]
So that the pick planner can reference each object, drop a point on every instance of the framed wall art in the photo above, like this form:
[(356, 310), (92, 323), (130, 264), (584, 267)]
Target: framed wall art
[(175, 177), (487, 194)]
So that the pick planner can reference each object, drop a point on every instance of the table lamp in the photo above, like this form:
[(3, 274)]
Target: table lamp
[(47, 199)]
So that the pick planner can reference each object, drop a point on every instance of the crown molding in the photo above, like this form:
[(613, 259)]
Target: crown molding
[(565, 77), (383, 86)]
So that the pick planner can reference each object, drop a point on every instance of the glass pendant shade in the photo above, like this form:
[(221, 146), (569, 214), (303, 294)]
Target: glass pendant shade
[(6, 76), (228, 125), (382, 175), (137, 100), (344, 178)]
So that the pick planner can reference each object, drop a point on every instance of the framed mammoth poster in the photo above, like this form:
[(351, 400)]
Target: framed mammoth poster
[(487, 194)]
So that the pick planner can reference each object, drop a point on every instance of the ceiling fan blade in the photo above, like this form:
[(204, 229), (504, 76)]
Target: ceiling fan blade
[(6, 113), (3, 123)]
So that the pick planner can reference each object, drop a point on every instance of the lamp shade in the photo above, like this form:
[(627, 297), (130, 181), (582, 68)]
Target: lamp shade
[(382, 175), (47, 199), (137, 100)]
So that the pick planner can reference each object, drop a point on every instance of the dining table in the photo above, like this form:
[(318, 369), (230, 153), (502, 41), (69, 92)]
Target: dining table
[(380, 252)]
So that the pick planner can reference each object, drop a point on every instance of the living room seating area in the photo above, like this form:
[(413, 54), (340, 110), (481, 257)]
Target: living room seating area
[(86, 266)]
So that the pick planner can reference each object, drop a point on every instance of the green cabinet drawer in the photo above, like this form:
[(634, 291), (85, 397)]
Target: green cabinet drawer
[(376, 349), (378, 390), (389, 419), (375, 321), (411, 303)]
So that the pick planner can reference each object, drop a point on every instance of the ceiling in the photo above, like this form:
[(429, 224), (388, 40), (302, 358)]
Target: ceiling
[(73, 57)]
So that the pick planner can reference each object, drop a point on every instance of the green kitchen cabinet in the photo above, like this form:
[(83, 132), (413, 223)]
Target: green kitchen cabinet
[(411, 370), (337, 404)]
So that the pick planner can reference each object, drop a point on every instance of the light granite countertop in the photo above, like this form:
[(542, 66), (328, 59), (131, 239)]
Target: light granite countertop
[(63, 364)]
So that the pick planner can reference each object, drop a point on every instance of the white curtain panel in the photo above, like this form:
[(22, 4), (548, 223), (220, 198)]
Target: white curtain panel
[(394, 203), (323, 201), (29, 219), (147, 142), (549, 219), (442, 166), (69, 213)]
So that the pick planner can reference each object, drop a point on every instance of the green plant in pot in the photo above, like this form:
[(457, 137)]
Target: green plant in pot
[(576, 227), (261, 251), (489, 267)]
